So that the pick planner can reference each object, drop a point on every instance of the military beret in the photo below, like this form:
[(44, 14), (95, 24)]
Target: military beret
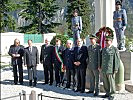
[(91, 36), (118, 3), (108, 38)]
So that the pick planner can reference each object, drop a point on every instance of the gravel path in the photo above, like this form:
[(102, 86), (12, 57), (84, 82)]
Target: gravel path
[(9, 89)]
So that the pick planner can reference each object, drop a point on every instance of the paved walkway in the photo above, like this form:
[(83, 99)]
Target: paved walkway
[(9, 89)]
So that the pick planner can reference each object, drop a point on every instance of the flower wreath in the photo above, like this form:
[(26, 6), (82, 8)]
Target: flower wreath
[(108, 32)]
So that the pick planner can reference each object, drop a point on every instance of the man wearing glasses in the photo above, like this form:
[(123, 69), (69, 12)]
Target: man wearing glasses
[(16, 52)]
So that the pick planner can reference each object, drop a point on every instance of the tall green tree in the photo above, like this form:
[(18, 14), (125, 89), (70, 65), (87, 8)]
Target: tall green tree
[(40, 15), (8, 8), (7, 21), (84, 9)]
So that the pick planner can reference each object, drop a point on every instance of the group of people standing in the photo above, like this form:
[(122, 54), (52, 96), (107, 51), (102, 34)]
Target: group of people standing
[(73, 60), (67, 63)]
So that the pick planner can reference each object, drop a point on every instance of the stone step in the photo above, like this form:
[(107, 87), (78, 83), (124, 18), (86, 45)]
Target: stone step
[(129, 86)]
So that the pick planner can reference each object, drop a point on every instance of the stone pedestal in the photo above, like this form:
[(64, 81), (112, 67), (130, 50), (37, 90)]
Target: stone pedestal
[(127, 59), (119, 78)]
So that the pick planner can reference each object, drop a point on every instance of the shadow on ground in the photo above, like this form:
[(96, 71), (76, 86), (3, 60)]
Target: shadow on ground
[(53, 88)]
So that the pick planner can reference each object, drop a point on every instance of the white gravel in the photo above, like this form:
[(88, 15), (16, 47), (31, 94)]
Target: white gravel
[(8, 89)]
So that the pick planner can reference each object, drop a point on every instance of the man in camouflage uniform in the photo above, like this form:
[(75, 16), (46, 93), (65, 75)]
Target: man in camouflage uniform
[(119, 24), (109, 66), (94, 51)]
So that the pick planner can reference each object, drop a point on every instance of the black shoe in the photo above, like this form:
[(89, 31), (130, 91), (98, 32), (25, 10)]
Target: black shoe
[(73, 89), (15, 83), (105, 96), (67, 87), (90, 92), (34, 84), (82, 91), (96, 94), (50, 84), (21, 83), (77, 90)]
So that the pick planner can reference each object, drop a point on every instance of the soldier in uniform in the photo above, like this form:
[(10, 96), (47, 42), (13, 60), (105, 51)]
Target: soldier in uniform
[(94, 51), (46, 60), (119, 24), (110, 63), (68, 58), (57, 61), (76, 26), (16, 52), (80, 56)]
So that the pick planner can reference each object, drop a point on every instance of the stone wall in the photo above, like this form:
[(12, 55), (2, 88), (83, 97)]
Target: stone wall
[(8, 38)]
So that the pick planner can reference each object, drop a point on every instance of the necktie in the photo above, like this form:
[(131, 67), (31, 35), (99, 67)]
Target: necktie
[(30, 49), (78, 49)]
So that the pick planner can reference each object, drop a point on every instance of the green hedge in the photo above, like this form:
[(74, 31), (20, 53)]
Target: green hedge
[(63, 39)]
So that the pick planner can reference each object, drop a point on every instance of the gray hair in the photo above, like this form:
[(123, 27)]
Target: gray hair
[(70, 41)]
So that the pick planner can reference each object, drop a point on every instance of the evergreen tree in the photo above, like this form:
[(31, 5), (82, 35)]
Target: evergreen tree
[(84, 9), (7, 21), (40, 14)]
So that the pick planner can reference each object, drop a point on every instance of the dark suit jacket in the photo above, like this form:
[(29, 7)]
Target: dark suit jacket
[(31, 58), (46, 54), (16, 50), (54, 58), (81, 56), (68, 58)]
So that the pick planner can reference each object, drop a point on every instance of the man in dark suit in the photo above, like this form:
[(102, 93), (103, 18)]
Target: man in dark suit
[(68, 59), (46, 60), (31, 59), (16, 52), (58, 62), (80, 56)]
